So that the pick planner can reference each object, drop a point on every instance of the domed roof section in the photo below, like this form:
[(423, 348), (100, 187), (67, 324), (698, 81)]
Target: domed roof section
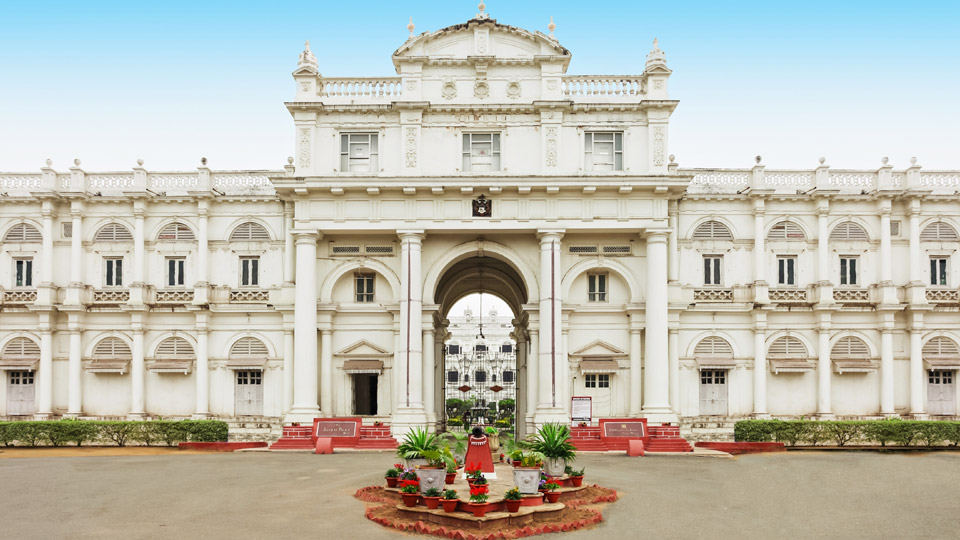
[(481, 37)]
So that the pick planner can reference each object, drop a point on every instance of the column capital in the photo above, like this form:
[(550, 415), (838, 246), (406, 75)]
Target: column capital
[(303, 236), (412, 235), (549, 235), (655, 236)]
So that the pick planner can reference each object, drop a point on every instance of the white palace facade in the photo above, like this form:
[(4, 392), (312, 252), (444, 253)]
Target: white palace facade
[(662, 292)]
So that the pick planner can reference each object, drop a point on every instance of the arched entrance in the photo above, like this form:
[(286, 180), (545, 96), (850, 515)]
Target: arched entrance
[(506, 358)]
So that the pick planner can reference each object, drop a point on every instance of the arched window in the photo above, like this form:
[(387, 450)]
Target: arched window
[(940, 348), (714, 352), (249, 232), (113, 232), (173, 355), (23, 233), (786, 230), (712, 230), (110, 355), (176, 232), (20, 354), (939, 231), (849, 231), (248, 353), (851, 355), (788, 354)]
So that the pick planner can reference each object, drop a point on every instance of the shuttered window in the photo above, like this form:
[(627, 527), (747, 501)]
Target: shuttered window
[(174, 347), (941, 347), (848, 231), (786, 230), (713, 347), (938, 232), (712, 230), (113, 232), (787, 347), (21, 348), (176, 232), (112, 347), (850, 347), (249, 346), (22, 233), (249, 232)]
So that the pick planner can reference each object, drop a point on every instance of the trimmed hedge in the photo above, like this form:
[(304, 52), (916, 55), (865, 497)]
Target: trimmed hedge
[(78, 432), (841, 433)]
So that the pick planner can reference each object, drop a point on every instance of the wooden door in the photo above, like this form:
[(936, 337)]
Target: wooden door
[(20, 393), (249, 393), (713, 392), (941, 392)]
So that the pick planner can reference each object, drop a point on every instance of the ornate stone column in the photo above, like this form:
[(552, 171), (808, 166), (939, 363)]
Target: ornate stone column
[(75, 367), (137, 369), (552, 366), (326, 371), (824, 407), (202, 409), (429, 370), (137, 287), (305, 330), (760, 365), (287, 366), (45, 371), (289, 250), (918, 376), (674, 354), (532, 357), (824, 283), (656, 392), (760, 285), (886, 370), (410, 410), (636, 364)]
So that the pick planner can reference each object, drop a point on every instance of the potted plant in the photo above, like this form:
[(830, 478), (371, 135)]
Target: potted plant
[(526, 472), (417, 441), (431, 498), (393, 474), (434, 473), (451, 475), (410, 494), (493, 438), (512, 499), (478, 499), (409, 477), (473, 473), (553, 442), (576, 476), (502, 457), (551, 491), (450, 501)]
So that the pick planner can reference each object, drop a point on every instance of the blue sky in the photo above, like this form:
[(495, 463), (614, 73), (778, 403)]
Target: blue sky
[(169, 82)]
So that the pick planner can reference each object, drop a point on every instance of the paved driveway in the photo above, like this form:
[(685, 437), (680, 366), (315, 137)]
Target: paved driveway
[(264, 495)]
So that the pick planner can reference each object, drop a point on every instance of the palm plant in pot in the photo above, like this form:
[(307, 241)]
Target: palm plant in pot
[(417, 441), (553, 441), (512, 499), (434, 473), (432, 498), (526, 472), (450, 500), (551, 492)]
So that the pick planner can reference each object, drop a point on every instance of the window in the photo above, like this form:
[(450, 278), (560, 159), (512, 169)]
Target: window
[(938, 231), (506, 348), (249, 232), (364, 288), (481, 152), (507, 376), (176, 232), (712, 230), (597, 287), (786, 270), (711, 269), (597, 381), (466, 377), (452, 377), (849, 231), (493, 377), (603, 151), (848, 270), (480, 348), (938, 271), (359, 153), (23, 271), (249, 271), (453, 348), (480, 376), (175, 271), (23, 233), (786, 230), (113, 232), (113, 272)]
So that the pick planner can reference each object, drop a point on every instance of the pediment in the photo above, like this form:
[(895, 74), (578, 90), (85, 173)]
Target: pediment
[(599, 349), (363, 348), (480, 37)]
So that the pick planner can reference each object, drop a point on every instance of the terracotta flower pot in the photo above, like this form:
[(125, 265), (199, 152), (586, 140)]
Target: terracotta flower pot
[(513, 506), (450, 505), (552, 496), (451, 477), (432, 502), (392, 482), (577, 481), (410, 499), (479, 509)]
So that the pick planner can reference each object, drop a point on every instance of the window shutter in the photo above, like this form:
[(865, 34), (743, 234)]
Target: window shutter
[(22, 233), (786, 230), (113, 232), (21, 347), (938, 232), (848, 230), (176, 231), (174, 347), (249, 232), (713, 347), (787, 347), (712, 230), (112, 347), (850, 347), (941, 347), (249, 346)]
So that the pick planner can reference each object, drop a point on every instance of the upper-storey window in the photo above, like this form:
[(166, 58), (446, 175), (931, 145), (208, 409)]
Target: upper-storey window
[(938, 271), (849, 231), (603, 151), (712, 230), (481, 152), (175, 271), (249, 232), (711, 269), (787, 271), (786, 230), (938, 231), (176, 232), (23, 272), (23, 233), (596, 287), (364, 288), (359, 153), (249, 271), (113, 232)]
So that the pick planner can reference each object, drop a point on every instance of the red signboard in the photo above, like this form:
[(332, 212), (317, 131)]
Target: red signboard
[(615, 432), (344, 432)]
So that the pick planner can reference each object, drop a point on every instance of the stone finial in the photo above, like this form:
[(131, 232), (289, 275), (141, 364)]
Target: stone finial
[(823, 160), (290, 160), (656, 56), (672, 158), (76, 163), (139, 163), (884, 160), (411, 26), (758, 159), (49, 162), (913, 160), (307, 59), (552, 26), (203, 161), (481, 6)]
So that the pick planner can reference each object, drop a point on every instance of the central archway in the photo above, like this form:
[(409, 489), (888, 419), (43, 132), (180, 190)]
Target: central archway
[(476, 268)]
